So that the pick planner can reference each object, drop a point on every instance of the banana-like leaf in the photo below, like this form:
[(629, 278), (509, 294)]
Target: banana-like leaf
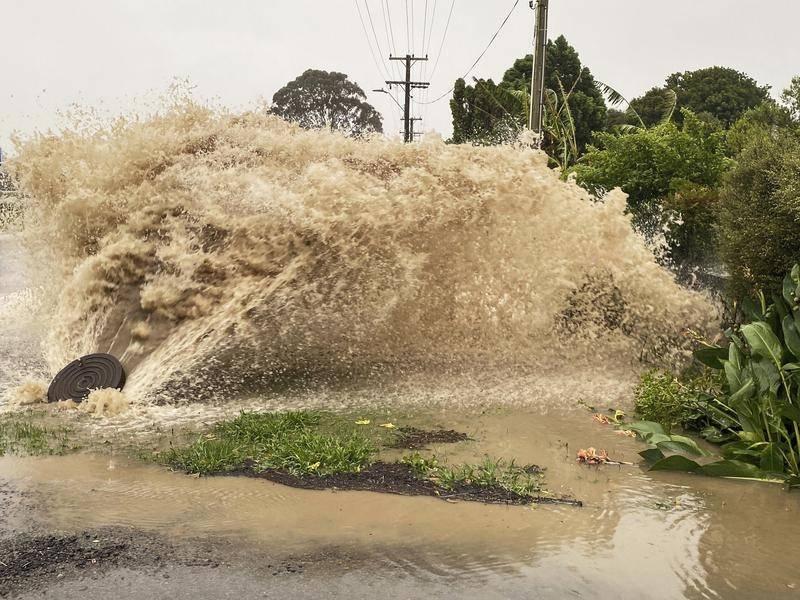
[(763, 341), (669, 107), (732, 468), (676, 462), (789, 287), (651, 455), (771, 459), (791, 336)]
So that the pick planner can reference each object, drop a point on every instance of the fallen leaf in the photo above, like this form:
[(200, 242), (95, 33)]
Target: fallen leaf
[(363, 422), (388, 425)]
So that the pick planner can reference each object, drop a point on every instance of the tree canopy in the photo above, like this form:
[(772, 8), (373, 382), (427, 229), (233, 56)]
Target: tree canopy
[(714, 93), (667, 166), (563, 68), (327, 100), (486, 112)]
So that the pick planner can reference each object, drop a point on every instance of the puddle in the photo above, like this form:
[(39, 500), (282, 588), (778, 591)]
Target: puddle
[(688, 536)]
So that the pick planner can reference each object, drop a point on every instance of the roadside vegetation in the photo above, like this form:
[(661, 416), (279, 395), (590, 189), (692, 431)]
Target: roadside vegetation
[(746, 400), (22, 436), (319, 450)]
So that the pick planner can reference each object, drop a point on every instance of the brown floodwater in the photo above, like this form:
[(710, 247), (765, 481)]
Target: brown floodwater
[(638, 535)]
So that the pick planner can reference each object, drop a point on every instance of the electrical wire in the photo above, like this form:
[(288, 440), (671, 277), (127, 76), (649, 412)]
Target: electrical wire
[(366, 35), (375, 35), (485, 50), (444, 37)]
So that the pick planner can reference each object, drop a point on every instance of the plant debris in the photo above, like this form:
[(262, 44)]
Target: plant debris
[(591, 456)]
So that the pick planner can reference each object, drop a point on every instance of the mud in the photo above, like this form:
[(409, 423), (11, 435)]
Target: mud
[(413, 438), (396, 478)]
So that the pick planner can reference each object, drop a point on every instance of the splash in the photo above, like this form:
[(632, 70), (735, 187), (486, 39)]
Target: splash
[(213, 252), (30, 392), (106, 402)]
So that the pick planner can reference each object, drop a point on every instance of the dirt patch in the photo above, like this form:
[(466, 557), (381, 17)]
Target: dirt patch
[(412, 438), (31, 560), (397, 478)]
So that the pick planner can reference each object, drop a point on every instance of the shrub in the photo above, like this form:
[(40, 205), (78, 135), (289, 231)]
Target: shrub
[(759, 216)]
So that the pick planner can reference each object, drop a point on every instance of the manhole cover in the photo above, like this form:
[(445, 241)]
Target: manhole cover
[(81, 376)]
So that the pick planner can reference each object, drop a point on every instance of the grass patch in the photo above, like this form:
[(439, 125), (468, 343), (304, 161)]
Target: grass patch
[(490, 473), (321, 450), (293, 442), (21, 436)]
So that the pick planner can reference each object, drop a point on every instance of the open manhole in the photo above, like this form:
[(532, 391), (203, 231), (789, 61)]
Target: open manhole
[(81, 376)]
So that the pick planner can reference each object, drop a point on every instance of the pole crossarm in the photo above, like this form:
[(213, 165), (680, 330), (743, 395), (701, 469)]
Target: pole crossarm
[(408, 85)]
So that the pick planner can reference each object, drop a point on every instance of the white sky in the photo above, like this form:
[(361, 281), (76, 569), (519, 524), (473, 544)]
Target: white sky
[(109, 53)]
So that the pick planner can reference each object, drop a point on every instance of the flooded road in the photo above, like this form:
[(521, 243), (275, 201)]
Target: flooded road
[(638, 535)]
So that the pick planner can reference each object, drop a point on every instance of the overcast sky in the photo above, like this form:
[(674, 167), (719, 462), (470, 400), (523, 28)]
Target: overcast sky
[(112, 53)]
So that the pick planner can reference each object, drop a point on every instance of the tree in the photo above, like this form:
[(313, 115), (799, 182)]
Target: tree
[(563, 68), (326, 100), (651, 106), (489, 113), (759, 217), (714, 94), (484, 114), (670, 174), (760, 212)]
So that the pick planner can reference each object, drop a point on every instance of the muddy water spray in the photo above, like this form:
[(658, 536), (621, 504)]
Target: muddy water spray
[(237, 249)]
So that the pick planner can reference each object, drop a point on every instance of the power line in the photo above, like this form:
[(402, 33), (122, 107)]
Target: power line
[(387, 26), (444, 37), (480, 56), (366, 35), (426, 48), (375, 35), (424, 26)]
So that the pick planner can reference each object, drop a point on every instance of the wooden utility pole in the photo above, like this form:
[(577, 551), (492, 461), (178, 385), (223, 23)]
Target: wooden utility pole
[(408, 85), (537, 69)]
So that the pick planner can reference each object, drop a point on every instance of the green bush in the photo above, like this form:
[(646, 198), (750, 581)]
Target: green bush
[(663, 167), (759, 216), (672, 402)]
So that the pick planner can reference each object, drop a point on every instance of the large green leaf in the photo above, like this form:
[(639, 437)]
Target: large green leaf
[(766, 374), (788, 289), (780, 306), (711, 356), (733, 375), (744, 392), (790, 412), (676, 462), (732, 468), (790, 335), (651, 455), (689, 443), (644, 428), (763, 341), (771, 459)]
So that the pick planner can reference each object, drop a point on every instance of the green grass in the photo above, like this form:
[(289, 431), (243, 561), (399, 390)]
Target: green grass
[(295, 442), (312, 443), (490, 473), (21, 436)]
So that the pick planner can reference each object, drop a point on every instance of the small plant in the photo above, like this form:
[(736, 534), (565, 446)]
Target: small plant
[(18, 436), (685, 402), (289, 442), (490, 473)]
